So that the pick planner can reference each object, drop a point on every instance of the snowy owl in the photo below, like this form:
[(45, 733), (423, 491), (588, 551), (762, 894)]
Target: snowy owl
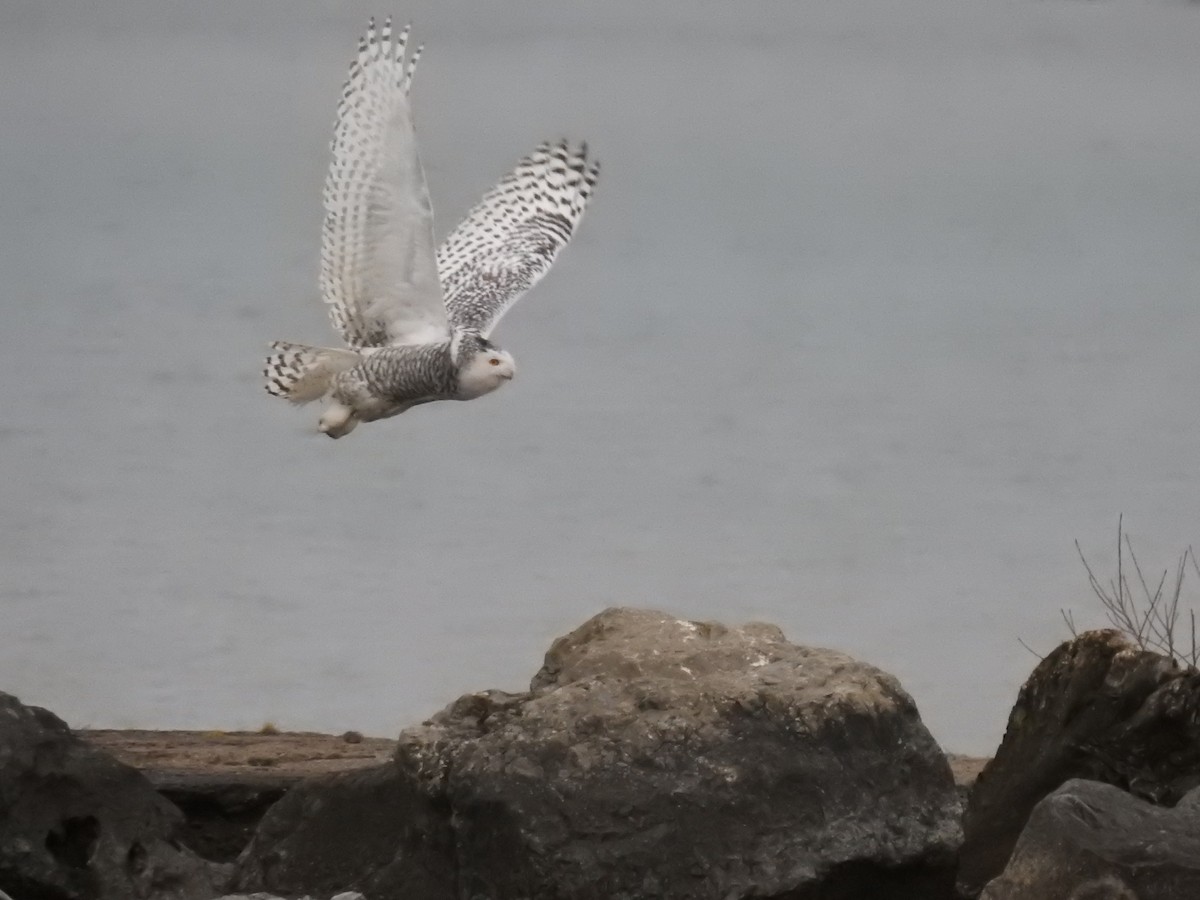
[(416, 322)]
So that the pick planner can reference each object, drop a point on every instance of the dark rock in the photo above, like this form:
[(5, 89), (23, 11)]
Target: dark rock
[(652, 758), (219, 780), (368, 829), (220, 811), (345, 895), (75, 824), (1092, 841), (1096, 708)]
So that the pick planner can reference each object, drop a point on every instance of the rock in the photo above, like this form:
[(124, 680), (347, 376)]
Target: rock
[(218, 779), (75, 824), (651, 758), (220, 810), (1096, 708), (354, 829), (345, 895), (1092, 841), (966, 770)]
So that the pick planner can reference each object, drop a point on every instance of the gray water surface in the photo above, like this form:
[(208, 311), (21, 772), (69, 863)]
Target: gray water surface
[(878, 307)]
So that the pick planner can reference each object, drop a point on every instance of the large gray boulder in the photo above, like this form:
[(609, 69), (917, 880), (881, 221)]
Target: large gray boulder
[(75, 824), (651, 758), (1096, 708), (1092, 841)]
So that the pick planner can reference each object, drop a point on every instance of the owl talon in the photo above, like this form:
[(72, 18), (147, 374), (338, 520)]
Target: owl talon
[(337, 421)]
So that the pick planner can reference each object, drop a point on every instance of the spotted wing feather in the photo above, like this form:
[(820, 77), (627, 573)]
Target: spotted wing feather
[(378, 265), (510, 239), (301, 374)]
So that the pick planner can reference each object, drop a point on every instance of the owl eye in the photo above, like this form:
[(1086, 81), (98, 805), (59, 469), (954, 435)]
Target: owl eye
[(493, 361)]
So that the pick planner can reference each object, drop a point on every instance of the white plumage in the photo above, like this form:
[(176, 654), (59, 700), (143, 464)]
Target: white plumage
[(416, 320)]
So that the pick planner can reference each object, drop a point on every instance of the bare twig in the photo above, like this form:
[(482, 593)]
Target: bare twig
[(1069, 618), (1194, 655), (1019, 641), (1151, 620)]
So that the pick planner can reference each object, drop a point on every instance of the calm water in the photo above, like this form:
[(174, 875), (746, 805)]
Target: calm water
[(878, 307)]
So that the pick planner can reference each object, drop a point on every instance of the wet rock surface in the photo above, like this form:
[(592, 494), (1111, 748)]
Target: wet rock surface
[(76, 824), (652, 757), (1095, 708), (1092, 841)]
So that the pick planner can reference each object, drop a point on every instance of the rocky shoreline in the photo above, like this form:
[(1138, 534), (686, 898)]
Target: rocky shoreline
[(167, 756), (224, 781), (651, 758)]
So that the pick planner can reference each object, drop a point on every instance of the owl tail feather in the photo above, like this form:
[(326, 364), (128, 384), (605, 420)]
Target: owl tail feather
[(300, 373)]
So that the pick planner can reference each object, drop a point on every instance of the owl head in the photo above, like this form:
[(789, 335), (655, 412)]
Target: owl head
[(482, 366)]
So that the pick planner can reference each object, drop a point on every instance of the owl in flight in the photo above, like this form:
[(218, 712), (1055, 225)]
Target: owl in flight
[(416, 318)]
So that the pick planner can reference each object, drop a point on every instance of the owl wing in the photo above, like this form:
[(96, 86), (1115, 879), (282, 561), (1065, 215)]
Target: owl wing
[(509, 240), (378, 264)]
